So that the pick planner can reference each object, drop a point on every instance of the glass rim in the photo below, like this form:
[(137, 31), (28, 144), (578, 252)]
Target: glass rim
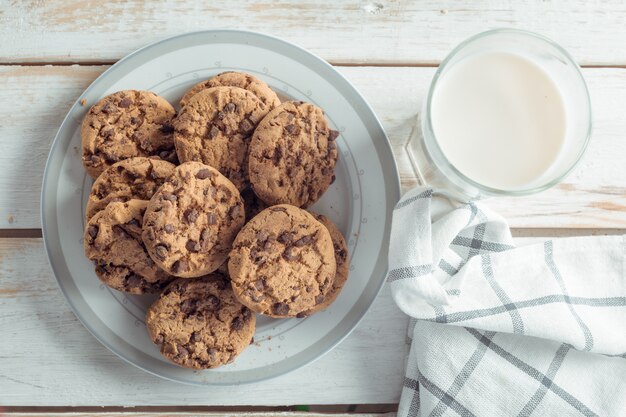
[(497, 191)]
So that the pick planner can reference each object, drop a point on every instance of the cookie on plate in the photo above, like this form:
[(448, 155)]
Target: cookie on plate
[(113, 242), (341, 258), (133, 178), (199, 323), (192, 220), (215, 128), (126, 124), (282, 263), (236, 79), (292, 155)]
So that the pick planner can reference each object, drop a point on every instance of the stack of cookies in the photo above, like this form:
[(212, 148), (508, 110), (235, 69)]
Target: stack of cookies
[(206, 207)]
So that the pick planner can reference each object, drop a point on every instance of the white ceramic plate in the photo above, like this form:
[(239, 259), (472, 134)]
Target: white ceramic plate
[(360, 201)]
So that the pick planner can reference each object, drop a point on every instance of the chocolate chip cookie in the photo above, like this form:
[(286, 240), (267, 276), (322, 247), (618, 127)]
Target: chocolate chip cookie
[(133, 178), (113, 242), (126, 124), (192, 220), (199, 323), (282, 263), (341, 258), (292, 155), (215, 128), (236, 79)]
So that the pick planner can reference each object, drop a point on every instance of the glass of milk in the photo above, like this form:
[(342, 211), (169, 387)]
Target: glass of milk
[(508, 113)]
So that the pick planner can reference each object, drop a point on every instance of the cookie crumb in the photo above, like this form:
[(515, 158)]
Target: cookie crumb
[(83, 101), (11, 219), (443, 11)]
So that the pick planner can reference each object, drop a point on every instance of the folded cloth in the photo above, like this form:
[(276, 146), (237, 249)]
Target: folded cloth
[(499, 330)]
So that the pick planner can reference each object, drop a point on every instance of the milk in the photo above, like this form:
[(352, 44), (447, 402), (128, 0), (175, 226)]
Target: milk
[(499, 119)]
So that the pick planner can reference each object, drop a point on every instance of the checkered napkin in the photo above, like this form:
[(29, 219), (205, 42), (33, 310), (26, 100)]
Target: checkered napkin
[(498, 330)]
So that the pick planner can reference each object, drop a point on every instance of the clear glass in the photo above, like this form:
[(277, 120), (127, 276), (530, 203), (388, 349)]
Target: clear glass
[(429, 161)]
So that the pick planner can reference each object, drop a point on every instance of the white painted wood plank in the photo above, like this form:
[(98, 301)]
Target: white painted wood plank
[(34, 100), (381, 31), (47, 358), (195, 414)]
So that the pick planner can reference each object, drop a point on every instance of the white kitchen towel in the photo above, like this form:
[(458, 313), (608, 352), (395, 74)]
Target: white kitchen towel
[(499, 330)]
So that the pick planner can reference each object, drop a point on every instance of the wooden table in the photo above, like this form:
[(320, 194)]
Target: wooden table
[(51, 50)]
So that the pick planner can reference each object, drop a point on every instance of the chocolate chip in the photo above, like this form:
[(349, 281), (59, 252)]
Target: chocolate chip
[(277, 209), (332, 179), (188, 306), (221, 115), (332, 146), (125, 102), (160, 251), (255, 297), (195, 337), (305, 240), (246, 126), (108, 133), (255, 256), (204, 173), (167, 128), (237, 324), (319, 299), (285, 237), (212, 303), (213, 132), (289, 254), (182, 351), (193, 246), (278, 154), (191, 215), (133, 281), (108, 108), (252, 340), (130, 176), (280, 309), (134, 120), (230, 107), (212, 351), (301, 315), (111, 159), (333, 134), (92, 231), (292, 129), (92, 159), (159, 339), (259, 285), (170, 197), (234, 212), (211, 218), (169, 228), (179, 266), (262, 236), (204, 236), (290, 116)]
